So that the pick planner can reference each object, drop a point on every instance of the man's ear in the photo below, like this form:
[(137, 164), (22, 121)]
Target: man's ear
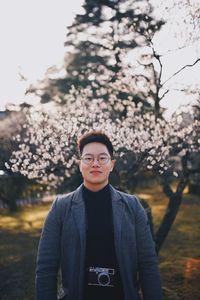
[(113, 161), (77, 161)]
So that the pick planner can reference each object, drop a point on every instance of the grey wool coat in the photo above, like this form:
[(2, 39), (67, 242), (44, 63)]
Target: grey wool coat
[(63, 243)]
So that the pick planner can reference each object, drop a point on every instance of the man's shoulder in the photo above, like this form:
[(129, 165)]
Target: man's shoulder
[(62, 204), (132, 203), (127, 195), (65, 197), (130, 199)]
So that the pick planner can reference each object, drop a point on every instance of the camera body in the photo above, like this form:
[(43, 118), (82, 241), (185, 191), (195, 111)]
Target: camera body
[(101, 276)]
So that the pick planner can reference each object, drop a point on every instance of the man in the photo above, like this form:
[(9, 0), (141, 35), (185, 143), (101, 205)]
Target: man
[(99, 237)]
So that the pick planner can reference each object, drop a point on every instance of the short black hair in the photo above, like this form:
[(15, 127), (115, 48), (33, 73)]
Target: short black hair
[(92, 137)]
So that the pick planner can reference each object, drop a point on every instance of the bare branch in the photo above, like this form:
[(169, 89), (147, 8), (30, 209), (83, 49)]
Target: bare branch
[(181, 186), (176, 73), (143, 76), (167, 91), (167, 189), (173, 50), (160, 63)]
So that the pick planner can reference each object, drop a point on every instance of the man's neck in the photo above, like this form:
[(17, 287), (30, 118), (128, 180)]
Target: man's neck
[(95, 187)]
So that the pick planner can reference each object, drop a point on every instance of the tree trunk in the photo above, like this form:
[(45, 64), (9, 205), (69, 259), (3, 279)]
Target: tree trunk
[(168, 220), (175, 199)]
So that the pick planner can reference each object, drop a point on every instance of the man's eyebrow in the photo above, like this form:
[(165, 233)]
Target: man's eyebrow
[(98, 154)]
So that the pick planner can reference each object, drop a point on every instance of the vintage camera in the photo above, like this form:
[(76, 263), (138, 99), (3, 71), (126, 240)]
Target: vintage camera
[(101, 276)]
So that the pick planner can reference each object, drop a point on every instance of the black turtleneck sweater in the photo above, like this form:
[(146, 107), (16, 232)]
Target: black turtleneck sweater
[(100, 248)]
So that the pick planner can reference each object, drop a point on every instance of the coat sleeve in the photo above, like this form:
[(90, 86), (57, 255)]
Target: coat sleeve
[(48, 257), (149, 275)]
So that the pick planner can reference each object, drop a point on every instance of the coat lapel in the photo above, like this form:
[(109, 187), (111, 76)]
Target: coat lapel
[(78, 210), (118, 212), (79, 216)]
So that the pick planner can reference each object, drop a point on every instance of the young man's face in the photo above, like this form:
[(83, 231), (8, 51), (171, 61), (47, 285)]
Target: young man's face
[(95, 166)]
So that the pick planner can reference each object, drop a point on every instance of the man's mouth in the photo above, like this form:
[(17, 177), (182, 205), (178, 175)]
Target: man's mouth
[(95, 172)]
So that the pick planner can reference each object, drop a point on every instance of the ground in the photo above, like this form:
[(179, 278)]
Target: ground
[(179, 258)]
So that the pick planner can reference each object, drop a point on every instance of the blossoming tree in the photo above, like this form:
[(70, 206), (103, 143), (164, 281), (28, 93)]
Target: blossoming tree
[(47, 150)]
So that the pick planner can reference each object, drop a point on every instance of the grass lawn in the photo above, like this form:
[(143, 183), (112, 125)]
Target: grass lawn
[(179, 258)]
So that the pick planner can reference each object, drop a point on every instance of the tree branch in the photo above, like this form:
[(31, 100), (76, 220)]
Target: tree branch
[(167, 189), (181, 186), (157, 57), (176, 73), (167, 91)]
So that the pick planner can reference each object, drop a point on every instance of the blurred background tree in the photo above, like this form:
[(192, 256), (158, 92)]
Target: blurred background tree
[(11, 184), (162, 148), (97, 48)]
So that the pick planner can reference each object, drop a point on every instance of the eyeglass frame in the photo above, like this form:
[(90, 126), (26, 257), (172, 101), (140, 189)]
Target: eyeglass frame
[(93, 158)]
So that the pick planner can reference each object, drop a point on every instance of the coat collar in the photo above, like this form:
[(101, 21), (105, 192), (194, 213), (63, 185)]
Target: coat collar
[(78, 198)]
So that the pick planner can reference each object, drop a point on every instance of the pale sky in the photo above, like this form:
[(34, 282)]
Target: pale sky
[(33, 33)]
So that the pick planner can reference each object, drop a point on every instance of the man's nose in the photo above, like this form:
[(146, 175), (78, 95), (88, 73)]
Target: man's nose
[(95, 162)]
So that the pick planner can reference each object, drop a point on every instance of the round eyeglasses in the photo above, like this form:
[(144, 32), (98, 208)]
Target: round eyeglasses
[(102, 159)]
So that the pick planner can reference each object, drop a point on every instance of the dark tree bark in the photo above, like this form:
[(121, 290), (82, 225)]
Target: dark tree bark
[(175, 200)]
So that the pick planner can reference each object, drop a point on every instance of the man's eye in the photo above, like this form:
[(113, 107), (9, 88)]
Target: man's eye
[(103, 158), (88, 158)]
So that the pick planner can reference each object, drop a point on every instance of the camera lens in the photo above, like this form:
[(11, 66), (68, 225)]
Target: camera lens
[(103, 278)]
